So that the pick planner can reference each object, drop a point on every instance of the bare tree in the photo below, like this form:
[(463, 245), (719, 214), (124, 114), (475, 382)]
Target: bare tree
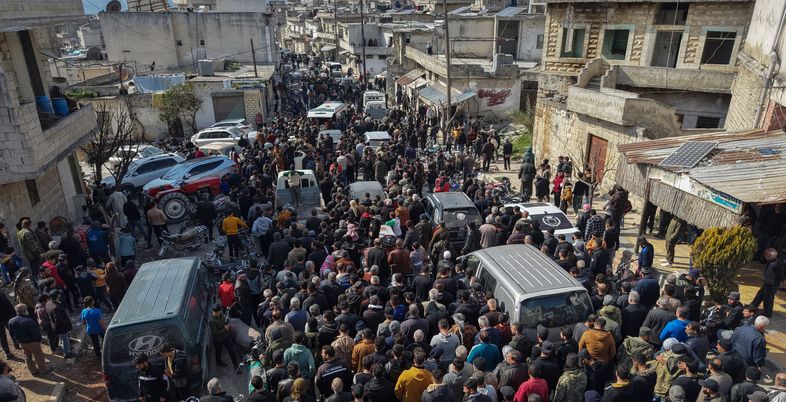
[(125, 127), (115, 129), (593, 163)]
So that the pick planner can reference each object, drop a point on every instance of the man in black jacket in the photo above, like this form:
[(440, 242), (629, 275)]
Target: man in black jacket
[(380, 388), (377, 256), (527, 175), (25, 331), (259, 394), (61, 324), (176, 370), (633, 315), (206, 214), (153, 385), (773, 274), (330, 369)]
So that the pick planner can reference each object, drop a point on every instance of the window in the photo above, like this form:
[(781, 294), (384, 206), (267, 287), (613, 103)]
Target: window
[(555, 311), (615, 43), (672, 14), (539, 42), (707, 122), (202, 42), (147, 168), (32, 192), (382, 57), (718, 47), (204, 168), (488, 281), (179, 42), (572, 42)]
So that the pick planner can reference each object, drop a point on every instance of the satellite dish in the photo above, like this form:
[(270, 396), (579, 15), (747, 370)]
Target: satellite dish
[(113, 6)]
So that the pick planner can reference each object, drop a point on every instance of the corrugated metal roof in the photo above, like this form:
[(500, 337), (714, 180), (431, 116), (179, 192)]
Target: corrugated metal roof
[(747, 165), (460, 10), (437, 95), (409, 77), (510, 11)]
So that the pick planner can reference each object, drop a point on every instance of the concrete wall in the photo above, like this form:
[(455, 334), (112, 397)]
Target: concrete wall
[(27, 12), (17, 203), (472, 36), (174, 38), (694, 104), (241, 6), (529, 31)]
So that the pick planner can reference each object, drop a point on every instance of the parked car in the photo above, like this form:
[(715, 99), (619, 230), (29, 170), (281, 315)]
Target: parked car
[(139, 151), (530, 287), (216, 134), (142, 171), (549, 217), (221, 148), (236, 123), (358, 190), (168, 302), (175, 190), (454, 210)]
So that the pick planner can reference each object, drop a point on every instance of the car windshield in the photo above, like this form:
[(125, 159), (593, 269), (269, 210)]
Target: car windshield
[(554, 221), (151, 150), (555, 311), (457, 218), (176, 172), (124, 348)]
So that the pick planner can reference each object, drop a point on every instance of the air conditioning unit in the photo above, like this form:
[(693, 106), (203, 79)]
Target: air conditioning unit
[(205, 67)]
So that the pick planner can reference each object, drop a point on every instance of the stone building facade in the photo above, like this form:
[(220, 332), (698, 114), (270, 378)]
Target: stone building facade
[(39, 173), (615, 72)]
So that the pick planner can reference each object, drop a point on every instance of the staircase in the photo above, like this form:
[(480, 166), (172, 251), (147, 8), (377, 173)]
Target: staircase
[(594, 83)]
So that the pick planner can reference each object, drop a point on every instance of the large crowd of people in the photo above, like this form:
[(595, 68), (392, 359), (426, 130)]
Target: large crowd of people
[(346, 316)]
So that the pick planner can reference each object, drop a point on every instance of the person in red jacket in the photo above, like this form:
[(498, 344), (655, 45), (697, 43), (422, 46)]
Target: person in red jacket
[(51, 268), (535, 385), (226, 291)]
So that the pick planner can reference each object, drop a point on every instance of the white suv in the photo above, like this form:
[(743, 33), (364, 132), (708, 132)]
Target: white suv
[(142, 171), (222, 134)]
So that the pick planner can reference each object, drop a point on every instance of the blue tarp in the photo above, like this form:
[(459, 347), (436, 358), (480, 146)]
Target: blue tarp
[(157, 83)]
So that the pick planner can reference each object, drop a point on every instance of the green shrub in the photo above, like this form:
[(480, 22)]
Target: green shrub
[(719, 253)]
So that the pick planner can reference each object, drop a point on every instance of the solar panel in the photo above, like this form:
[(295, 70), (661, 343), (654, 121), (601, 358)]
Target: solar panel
[(688, 154)]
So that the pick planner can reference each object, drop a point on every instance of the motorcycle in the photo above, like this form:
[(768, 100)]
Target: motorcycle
[(190, 239), (252, 363)]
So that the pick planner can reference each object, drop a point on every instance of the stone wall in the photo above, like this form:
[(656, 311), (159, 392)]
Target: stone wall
[(558, 132), (17, 203), (15, 11), (746, 91)]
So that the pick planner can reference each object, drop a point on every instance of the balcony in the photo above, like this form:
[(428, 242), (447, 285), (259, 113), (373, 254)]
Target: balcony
[(625, 109), (682, 79), (64, 137), (370, 50)]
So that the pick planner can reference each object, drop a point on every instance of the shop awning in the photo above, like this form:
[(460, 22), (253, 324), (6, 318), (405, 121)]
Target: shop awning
[(437, 96), (418, 83), (409, 77), (327, 48)]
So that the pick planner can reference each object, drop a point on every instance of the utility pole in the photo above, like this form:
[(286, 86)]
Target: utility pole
[(448, 114), (335, 25), (254, 58), (363, 38)]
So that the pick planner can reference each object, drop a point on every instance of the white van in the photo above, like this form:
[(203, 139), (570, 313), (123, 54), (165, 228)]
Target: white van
[(549, 216), (372, 96), (375, 139), (530, 287)]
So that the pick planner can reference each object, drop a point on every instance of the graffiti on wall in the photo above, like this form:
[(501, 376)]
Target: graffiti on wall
[(494, 96)]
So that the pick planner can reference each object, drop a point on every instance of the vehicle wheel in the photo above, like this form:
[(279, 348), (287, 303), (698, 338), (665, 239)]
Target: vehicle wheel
[(175, 206)]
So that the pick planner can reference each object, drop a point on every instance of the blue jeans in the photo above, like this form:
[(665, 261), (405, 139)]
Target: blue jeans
[(66, 340)]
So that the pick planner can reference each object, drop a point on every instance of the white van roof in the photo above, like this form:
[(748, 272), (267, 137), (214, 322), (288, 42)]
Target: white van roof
[(377, 135), (326, 110), (526, 269)]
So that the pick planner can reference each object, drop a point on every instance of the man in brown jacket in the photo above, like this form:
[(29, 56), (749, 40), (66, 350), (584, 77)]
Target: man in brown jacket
[(398, 260), (598, 342), (364, 348)]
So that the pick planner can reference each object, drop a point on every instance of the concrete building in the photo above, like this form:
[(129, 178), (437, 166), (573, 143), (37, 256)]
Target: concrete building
[(178, 39), (491, 70), (39, 172), (90, 35), (758, 91), (148, 5), (234, 95), (379, 45), (67, 35), (624, 71)]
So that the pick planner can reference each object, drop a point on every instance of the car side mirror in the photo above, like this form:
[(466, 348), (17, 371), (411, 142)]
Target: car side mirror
[(134, 174), (187, 176)]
